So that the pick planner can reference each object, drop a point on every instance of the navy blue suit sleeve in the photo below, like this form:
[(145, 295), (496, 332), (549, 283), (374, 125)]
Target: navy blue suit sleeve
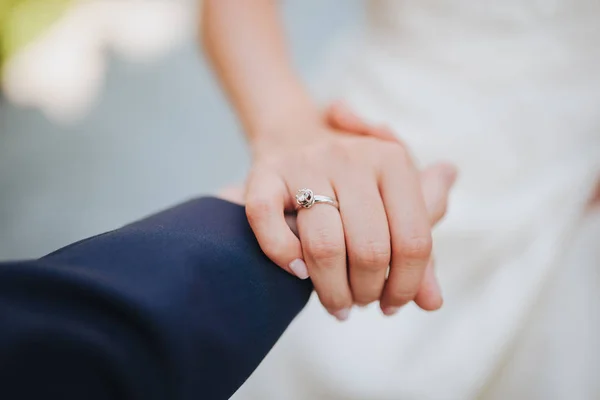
[(180, 305)]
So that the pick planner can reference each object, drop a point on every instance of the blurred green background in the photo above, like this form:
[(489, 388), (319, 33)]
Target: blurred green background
[(21, 21)]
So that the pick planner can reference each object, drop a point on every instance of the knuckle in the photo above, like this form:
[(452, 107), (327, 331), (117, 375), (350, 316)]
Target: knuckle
[(257, 207), (372, 256), (334, 303), (400, 298), (274, 247), (324, 248), (416, 247)]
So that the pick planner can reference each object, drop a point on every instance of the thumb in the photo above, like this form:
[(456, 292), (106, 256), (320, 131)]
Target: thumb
[(436, 182), (339, 116)]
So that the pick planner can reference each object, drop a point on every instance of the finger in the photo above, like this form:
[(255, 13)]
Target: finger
[(383, 132), (267, 198), (235, 194), (595, 198), (429, 297), (340, 116), (366, 232), (436, 182), (409, 228), (322, 237)]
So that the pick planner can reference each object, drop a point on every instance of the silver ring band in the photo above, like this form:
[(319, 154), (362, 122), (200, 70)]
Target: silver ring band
[(305, 198), (326, 200)]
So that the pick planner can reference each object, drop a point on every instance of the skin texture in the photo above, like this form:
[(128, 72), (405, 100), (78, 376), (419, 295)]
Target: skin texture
[(436, 182), (383, 221)]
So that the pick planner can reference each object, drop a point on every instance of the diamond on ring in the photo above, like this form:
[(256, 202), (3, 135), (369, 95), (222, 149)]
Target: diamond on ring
[(305, 198)]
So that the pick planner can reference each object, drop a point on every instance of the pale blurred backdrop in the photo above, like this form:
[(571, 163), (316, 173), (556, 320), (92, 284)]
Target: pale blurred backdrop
[(112, 113)]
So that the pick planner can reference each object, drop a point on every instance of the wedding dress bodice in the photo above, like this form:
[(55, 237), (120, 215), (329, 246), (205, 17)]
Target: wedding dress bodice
[(519, 77)]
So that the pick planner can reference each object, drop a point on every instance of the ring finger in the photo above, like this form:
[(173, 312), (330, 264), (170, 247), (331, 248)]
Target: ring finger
[(322, 237)]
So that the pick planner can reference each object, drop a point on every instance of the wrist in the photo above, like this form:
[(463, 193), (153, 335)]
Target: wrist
[(286, 124), (284, 137)]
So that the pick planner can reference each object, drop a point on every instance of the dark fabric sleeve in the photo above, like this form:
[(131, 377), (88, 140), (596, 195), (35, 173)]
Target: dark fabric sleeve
[(180, 305)]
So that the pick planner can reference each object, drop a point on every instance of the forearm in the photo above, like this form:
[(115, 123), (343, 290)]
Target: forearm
[(245, 42), (180, 305)]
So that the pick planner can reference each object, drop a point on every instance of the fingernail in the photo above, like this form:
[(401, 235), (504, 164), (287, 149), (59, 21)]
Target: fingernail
[(299, 269), (389, 311), (342, 314)]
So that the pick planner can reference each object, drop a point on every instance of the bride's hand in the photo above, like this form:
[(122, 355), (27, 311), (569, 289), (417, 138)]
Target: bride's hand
[(382, 221), (436, 182)]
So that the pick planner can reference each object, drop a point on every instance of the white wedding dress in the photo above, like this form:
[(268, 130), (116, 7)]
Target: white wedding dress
[(509, 90)]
